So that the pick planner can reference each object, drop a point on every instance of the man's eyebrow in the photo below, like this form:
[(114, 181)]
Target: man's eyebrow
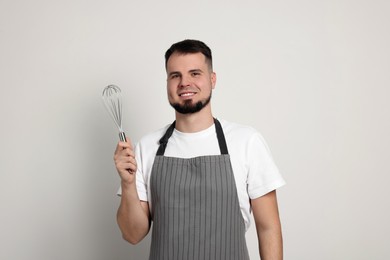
[(196, 70), (179, 73), (174, 73)]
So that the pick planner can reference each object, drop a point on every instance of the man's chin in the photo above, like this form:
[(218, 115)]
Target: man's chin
[(189, 106)]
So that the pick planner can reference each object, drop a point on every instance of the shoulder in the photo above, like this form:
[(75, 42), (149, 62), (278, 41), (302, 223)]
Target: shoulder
[(243, 137), (235, 130)]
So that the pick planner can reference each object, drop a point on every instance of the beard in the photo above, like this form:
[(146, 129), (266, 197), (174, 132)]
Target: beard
[(189, 108)]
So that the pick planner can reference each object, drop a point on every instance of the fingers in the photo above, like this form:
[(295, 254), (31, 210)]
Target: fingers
[(124, 159), (125, 156), (123, 145), (125, 167)]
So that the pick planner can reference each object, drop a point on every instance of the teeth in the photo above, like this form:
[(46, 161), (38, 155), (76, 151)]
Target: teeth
[(186, 94)]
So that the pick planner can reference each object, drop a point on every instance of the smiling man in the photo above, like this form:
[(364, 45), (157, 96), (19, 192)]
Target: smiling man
[(197, 79), (198, 179)]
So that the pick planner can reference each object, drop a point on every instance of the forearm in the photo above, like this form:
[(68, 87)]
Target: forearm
[(271, 243), (269, 231), (132, 217)]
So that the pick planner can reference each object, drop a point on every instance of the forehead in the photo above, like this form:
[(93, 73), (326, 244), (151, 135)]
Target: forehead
[(186, 61)]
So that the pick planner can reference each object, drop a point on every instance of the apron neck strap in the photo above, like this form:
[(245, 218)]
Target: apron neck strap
[(221, 137), (218, 128), (164, 140)]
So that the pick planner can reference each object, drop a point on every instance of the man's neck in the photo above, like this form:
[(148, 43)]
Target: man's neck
[(192, 123)]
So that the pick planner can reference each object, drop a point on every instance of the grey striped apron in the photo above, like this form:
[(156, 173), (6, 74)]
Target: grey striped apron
[(195, 210)]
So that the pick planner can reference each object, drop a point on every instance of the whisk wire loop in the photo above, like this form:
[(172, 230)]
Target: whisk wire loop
[(112, 100)]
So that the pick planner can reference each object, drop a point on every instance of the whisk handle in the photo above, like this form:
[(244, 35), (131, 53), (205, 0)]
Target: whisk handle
[(122, 136)]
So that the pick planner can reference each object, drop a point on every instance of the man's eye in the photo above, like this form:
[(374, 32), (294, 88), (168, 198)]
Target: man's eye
[(174, 76), (195, 74)]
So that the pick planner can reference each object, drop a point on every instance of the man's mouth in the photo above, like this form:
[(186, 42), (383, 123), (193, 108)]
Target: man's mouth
[(187, 94)]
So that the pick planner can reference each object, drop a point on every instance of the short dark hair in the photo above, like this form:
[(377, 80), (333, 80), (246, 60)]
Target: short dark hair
[(190, 46)]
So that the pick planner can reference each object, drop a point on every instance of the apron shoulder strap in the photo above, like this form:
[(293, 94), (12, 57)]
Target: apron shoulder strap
[(218, 128), (164, 140), (221, 137)]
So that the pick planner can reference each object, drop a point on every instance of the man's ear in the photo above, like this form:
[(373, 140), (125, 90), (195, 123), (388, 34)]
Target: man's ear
[(213, 79)]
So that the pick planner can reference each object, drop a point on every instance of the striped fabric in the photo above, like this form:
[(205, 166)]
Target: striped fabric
[(195, 210)]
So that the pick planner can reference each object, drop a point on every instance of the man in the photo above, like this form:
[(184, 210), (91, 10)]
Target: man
[(198, 179)]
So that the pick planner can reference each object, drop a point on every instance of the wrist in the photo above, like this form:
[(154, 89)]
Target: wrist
[(127, 185)]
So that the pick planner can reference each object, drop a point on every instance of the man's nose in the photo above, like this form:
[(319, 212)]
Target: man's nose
[(185, 81)]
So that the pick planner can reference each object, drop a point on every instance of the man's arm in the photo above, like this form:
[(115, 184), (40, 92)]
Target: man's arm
[(133, 215), (269, 232)]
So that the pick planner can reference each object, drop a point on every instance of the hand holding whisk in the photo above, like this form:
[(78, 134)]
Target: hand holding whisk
[(113, 102)]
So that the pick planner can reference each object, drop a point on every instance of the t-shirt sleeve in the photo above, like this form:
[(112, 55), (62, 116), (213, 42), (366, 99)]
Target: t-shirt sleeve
[(263, 174), (140, 177)]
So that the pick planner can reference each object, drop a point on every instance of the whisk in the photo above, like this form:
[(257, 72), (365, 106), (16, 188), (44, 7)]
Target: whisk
[(112, 100)]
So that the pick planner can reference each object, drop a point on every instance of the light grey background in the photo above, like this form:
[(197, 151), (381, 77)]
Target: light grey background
[(311, 76)]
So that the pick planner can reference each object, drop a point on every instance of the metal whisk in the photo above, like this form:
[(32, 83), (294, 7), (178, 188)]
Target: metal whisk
[(113, 102)]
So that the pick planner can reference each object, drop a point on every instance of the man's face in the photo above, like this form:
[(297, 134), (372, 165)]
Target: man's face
[(189, 82)]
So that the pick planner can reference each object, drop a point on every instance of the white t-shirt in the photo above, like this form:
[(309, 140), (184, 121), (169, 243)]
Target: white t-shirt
[(254, 170)]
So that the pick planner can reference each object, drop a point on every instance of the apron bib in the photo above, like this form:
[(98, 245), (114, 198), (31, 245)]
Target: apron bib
[(195, 209)]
